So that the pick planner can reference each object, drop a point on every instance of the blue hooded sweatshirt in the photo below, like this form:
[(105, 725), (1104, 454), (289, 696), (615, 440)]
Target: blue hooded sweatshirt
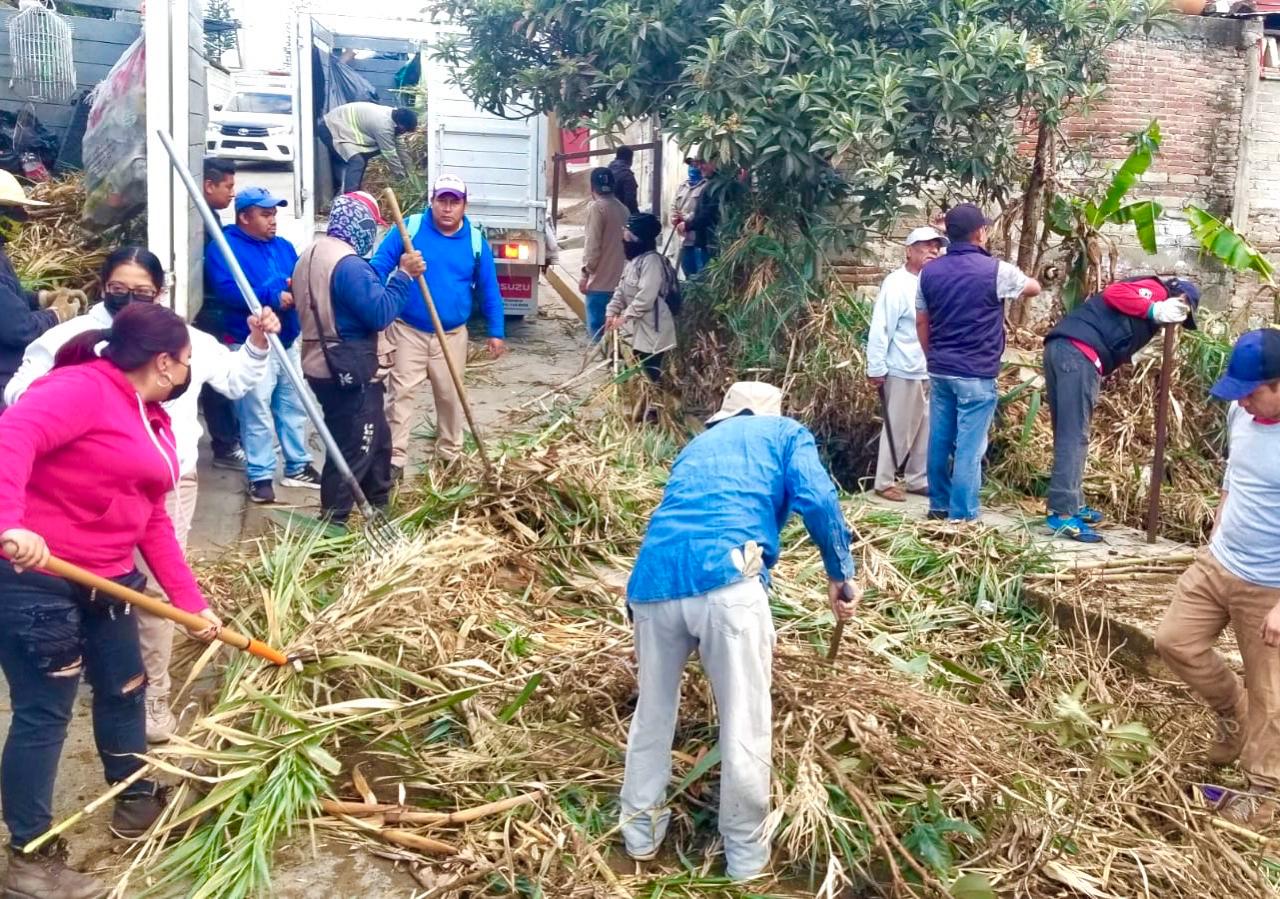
[(268, 266), (450, 268)]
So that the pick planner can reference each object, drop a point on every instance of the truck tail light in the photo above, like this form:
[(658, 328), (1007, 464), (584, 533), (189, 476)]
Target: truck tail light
[(519, 252)]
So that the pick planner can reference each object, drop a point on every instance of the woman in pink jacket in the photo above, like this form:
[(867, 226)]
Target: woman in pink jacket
[(86, 460)]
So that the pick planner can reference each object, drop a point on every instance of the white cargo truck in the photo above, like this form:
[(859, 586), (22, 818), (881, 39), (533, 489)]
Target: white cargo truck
[(503, 161)]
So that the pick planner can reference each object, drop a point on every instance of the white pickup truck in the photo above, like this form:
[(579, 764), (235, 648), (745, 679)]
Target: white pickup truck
[(503, 161)]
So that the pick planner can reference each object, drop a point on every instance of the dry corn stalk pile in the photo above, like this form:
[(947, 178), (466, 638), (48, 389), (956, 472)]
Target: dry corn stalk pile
[(959, 743), (54, 250)]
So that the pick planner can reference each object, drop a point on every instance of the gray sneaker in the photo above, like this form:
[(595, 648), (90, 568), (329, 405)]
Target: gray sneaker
[(44, 874), (160, 721)]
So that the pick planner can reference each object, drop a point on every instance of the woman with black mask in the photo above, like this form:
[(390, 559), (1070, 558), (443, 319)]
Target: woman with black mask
[(134, 275), (86, 462), (639, 305)]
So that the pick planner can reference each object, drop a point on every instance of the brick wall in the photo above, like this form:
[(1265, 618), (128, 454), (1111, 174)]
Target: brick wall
[(1264, 169)]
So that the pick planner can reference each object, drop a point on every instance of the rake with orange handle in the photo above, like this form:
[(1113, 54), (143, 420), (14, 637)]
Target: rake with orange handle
[(162, 609)]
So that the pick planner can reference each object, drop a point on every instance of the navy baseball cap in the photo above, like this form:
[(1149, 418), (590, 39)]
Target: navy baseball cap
[(963, 220), (257, 196), (1188, 291), (1255, 360)]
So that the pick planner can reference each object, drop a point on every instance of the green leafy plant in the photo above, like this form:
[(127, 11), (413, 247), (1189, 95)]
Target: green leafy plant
[(1223, 242), (1076, 724), (932, 831), (1079, 220)]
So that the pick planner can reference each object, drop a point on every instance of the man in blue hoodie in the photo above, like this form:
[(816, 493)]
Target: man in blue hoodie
[(459, 265), (273, 409)]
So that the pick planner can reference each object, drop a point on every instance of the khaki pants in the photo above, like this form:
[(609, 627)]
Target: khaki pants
[(907, 408), (732, 631), (1206, 599), (417, 357), (155, 634)]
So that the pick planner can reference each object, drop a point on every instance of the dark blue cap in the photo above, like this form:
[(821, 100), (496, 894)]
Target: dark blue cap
[(963, 220), (257, 196), (1255, 360), (1189, 292)]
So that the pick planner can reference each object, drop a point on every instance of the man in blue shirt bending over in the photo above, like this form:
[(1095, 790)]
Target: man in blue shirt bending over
[(700, 583), (459, 264)]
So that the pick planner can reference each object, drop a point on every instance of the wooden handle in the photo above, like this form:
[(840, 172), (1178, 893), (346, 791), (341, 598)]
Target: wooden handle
[(455, 373), (1162, 432), (162, 609)]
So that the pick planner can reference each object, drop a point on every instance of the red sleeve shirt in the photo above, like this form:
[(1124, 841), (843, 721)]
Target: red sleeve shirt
[(1130, 298)]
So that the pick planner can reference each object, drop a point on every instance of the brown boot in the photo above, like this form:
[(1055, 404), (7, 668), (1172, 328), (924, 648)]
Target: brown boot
[(44, 874), (134, 815), (1229, 739)]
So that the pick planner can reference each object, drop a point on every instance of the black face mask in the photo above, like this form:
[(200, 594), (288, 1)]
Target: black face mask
[(179, 389), (633, 248), (117, 301)]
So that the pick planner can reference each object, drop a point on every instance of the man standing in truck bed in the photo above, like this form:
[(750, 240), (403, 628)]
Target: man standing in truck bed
[(357, 132)]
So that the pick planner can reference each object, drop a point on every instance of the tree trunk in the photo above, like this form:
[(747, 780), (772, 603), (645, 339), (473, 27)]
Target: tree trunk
[(1031, 216)]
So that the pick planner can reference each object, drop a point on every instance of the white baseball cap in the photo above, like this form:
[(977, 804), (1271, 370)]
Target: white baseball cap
[(920, 235), (449, 184), (755, 397)]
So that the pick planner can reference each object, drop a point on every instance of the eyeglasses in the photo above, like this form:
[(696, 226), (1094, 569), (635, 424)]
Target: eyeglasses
[(134, 295)]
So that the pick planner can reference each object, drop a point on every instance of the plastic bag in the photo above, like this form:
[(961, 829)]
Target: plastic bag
[(115, 143)]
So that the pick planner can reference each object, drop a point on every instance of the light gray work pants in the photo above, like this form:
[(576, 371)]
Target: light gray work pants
[(732, 630)]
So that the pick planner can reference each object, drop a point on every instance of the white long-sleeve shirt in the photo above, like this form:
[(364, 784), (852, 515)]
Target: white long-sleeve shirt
[(892, 345), (233, 374)]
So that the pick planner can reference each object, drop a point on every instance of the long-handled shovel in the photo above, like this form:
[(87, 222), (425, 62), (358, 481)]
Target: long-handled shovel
[(383, 536), (1162, 432), (162, 609), (454, 371)]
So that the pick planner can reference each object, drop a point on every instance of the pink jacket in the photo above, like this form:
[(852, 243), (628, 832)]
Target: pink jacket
[(86, 464)]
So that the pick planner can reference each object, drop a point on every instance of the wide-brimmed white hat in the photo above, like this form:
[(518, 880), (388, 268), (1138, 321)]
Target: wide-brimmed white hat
[(12, 194), (920, 235), (755, 397)]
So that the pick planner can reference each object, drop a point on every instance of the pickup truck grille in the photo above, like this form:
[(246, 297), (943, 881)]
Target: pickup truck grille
[(243, 131)]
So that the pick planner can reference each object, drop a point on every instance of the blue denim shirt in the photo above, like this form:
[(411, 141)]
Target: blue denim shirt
[(738, 481)]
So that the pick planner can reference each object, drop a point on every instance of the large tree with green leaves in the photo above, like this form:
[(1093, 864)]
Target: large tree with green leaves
[(841, 112)]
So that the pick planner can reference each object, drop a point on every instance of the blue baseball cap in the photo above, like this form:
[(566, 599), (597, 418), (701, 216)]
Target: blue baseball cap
[(1189, 292), (257, 196), (1255, 360)]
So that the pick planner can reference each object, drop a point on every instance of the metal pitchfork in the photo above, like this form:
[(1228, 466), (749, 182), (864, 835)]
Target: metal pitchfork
[(382, 535)]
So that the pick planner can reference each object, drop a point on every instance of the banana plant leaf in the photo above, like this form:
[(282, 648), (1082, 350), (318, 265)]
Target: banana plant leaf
[(1220, 240), (1146, 145), (1143, 214)]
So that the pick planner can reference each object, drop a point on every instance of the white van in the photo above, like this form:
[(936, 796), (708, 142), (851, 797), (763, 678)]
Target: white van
[(257, 124)]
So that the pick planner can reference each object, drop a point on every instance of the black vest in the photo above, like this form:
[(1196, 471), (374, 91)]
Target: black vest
[(1114, 336)]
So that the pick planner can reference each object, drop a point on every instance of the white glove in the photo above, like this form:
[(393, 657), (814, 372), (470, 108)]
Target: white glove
[(1171, 311)]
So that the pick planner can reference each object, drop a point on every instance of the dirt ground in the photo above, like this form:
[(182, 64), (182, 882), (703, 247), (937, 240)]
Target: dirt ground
[(543, 353)]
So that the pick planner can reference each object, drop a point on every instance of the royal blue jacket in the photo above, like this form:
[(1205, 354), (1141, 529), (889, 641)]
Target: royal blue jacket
[(268, 266), (451, 267), (736, 482)]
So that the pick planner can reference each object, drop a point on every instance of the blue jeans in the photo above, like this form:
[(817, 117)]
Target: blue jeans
[(960, 413), (274, 409), (692, 260), (51, 631), (597, 305)]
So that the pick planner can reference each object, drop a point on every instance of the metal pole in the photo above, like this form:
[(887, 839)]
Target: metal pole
[(557, 163), (214, 228), (1162, 432)]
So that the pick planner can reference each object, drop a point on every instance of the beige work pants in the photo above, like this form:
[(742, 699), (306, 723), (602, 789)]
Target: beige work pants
[(907, 408), (417, 356), (155, 634), (1205, 600)]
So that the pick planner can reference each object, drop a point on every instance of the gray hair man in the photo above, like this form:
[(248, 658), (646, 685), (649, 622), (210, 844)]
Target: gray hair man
[(897, 367)]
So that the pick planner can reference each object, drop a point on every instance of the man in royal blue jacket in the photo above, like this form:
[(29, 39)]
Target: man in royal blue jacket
[(700, 583), (273, 409), (459, 264)]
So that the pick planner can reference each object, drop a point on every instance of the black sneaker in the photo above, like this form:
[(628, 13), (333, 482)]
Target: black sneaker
[(308, 477), (397, 474), (936, 515), (262, 492), (232, 461)]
